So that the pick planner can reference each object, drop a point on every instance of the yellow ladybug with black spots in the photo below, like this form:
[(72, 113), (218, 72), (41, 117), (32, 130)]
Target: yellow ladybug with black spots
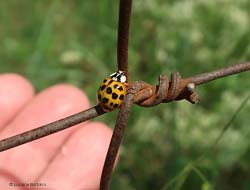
[(112, 91)]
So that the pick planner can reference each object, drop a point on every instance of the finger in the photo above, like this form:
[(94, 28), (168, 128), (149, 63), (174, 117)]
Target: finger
[(79, 163), (52, 104), (15, 92)]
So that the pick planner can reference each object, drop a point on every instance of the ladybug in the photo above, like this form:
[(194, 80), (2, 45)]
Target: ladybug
[(112, 91)]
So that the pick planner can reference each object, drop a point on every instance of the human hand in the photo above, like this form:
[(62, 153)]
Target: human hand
[(70, 159)]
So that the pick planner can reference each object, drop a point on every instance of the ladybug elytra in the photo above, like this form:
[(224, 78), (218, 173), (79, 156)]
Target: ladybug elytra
[(112, 91)]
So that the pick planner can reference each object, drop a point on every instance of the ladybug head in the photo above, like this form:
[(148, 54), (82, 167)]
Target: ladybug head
[(119, 76)]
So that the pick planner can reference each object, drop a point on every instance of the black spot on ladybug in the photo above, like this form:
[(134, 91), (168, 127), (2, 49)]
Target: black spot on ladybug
[(116, 86), (111, 104), (115, 105), (109, 90), (121, 97), (114, 96), (110, 82), (120, 88), (99, 97), (105, 100), (105, 80), (103, 87)]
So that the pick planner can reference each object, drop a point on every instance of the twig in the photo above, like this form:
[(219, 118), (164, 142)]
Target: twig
[(49, 129), (116, 139), (123, 35)]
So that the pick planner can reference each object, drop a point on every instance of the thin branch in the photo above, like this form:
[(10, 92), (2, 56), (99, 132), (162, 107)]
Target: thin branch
[(123, 35), (49, 129), (116, 139)]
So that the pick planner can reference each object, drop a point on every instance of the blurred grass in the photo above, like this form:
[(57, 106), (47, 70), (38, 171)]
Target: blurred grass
[(57, 41)]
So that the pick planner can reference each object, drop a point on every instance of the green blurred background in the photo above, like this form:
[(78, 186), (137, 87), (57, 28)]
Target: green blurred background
[(168, 146)]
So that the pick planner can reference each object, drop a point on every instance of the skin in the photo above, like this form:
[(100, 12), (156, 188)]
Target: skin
[(70, 159)]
